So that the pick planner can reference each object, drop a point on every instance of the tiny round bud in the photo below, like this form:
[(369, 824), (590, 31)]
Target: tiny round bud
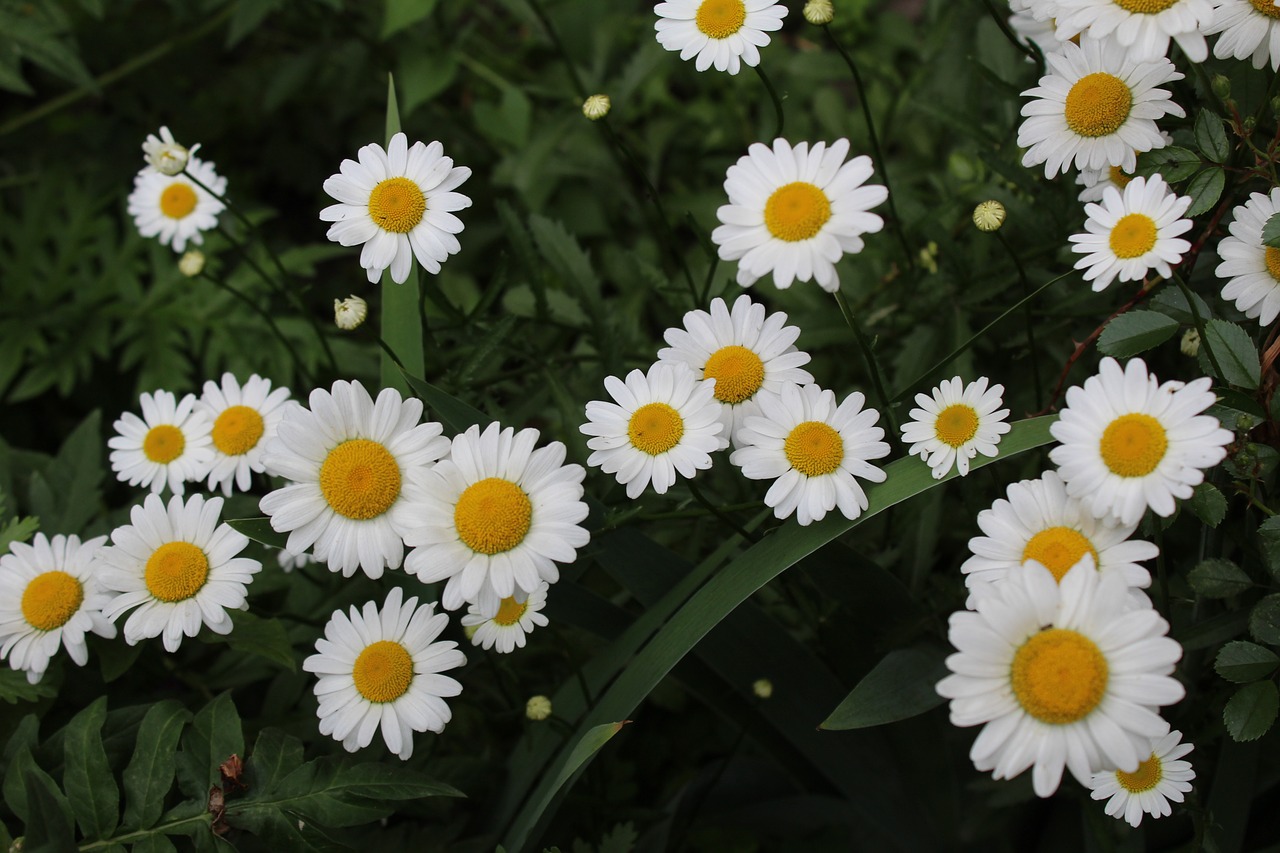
[(191, 264), (596, 107), (819, 12), (350, 312), (762, 687), (1190, 344), (1275, 106), (164, 154), (538, 708), (1221, 86), (1249, 124), (989, 215)]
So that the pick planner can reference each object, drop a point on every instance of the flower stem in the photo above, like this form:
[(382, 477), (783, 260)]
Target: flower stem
[(1026, 307), (873, 367), (270, 321), (773, 96), (714, 510), (1195, 316)]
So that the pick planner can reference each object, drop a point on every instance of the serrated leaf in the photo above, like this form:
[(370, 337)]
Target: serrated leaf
[(91, 788), (1218, 578), (15, 688), (214, 736), (17, 530), (1269, 535), (1208, 504), (1235, 352), (1172, 301), (900, 686), (1211, 138), (1264, 620), (1243, 662), (149, 776), (1250, 713), (1172, 163), (1136, 331), (1205, 189), (1271, 232)]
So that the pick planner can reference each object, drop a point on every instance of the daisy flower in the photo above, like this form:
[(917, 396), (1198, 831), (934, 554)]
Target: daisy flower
[(1250, 30), (399, 203), (1162, 777), (956, 424), (346, 458), (1252, 270), (504, 625), (381, 669), (289, 561), (1060, 674), (1032, 30), (1129, 235), (813, 450), (169, 445), (663, 422), (1096, 108), (743, 350), (173, 207), (164, 154), (49, 599), (244, 418), (1142, 27), (178, 566), (1128, 442), (723, 33), (495, 516), (795, 211)]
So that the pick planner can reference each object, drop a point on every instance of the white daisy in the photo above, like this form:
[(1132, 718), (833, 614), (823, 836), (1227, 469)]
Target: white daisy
[(504, 625), (178, 566), (1031, 30), (165, 154), (722, 33), (1252, 270), (1161, 777), (347, 458), (1142, 27), (49, 599), (381, 669), (743, 350), (173, 208), (664, 422), (795, 211), (1060, 674), (290, 561), (399, 203), (956, 424), (1129, 235), (813, 450), (169, 445), (1096, 108), (244, 419), (1129, 442), (1250, 30), (495, 516)]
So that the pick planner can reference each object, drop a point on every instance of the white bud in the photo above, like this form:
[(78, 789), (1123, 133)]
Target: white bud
[(989, 215), (350, 312), (762, 687), (164, 154), (819, 12), (191, 264), (1190, 344), (596, 107), (538, 708)]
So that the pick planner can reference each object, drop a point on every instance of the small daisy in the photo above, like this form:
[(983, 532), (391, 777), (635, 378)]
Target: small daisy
[(382, 670), (1162, 777), (722, 33), (1250, 30), (663, 422), (1142, 27), (1252, 270), (399, 203), (495, 516), (178, 566), (173, 207), (1129, 442), (1129, 235), (169, 445), (347, 458), (49, 599), (1060, 675), (165, 154), (1096, 108), (743, 350), (794, 212), (505, 625), (244, 419), (813, 450), (956, 424)]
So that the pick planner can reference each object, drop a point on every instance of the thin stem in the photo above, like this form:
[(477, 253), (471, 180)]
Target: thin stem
[(873, 368), (249, 226), (1030, 48), (1195, 316), (773, 96), (718, 513), (165, 828), (1026, 307), (270, 321), (391, 354)]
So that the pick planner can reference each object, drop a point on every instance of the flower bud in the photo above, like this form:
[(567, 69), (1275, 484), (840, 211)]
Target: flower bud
[(538, 708), (350, 312), (596, 107), (819, 12), (1221, 86), (989, 215), (762, 687), (191, 264), (164, 154), (1190, 344)]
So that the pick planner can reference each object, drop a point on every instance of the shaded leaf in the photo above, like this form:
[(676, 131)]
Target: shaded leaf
[(1271, 232), (1264, 621), (1205, 189), (275, 755), (1269, 534), (1211, 137), (403, 13), (1250, 713), (1208, 504), (91, 788), (214, 737), (451, 411), (149, 775), (260, 530), (1173, 163), (1243, 662), (263, 637), (49, 824), (899, 687), (1218, 578), (15, 688), (1136, 331), (1235, 351)]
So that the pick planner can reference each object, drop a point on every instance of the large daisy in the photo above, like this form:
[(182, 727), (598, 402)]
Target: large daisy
[(503, 625), (1129, 235), (1250, 29), (1142, 27), (795, 211), (719, 33), (173, 207), (1252, 270), (1161, 777), (955, 424), (169, 445), (244, 418)]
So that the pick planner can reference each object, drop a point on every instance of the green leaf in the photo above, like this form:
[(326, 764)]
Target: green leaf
[(1269, 535), (275, 755), (451, 411), (16, 793), (149, 776), (401, 316), (583, 749), (1205, 189), (91, 788), (1136, 331), (260, 530), (1208, 504), (404, 13), (901, 686), (154, 843), (1173, 163), (248, 16), (1250, 713), (1243, 662), (1271, 232), (15, 688), (17, 530), (48, 826), (1264, 621), (1211, 138), (214, 737), (263, 637), (1236, 354), (1173, 301), (1218, 578)]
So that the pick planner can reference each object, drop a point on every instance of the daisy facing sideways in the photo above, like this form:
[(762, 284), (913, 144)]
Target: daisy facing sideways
[(173, 207), (719, 33), (1250, 29), (1129, 235), (504, 625), (1161, 777), (955, 424), (243, 418), (1251, 269), (1142, 27), (170, 445)]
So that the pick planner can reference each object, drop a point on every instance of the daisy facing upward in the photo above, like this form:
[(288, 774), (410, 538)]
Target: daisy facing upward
[(172, 207), (955, 424), (1129, 235), (170, 445), (719, 33)]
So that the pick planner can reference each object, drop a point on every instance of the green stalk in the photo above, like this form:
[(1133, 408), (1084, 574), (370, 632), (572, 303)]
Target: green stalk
[(873, 367), (1026, 307), (773, 96), (270, 321)]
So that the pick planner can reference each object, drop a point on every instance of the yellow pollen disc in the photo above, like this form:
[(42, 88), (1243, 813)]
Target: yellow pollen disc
[(51, 599), (719, 19), (956, 424), (1133, 445), (509, 612), (1058, 676), (176, 571), (1133, 236), (796, 211), (1098, 104), (383, 671), (655, 428), (163, 444), (1145, 7), (1058, 549), (1272, 257), (397, 205), (492, 516), (738, 373), (178, 200), (237, 430), (1266, 7), (360, 479), (1145, 778), (814, 448), (1119, 176)]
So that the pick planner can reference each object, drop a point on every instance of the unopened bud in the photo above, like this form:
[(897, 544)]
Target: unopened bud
[(1190, 344), (350, 312), (538, 708), (762, 687), (989, 215), (1221, 86), (191, 264), (819, 12), (1248, 124), (164, 154), (1275, 106), (596, 107)]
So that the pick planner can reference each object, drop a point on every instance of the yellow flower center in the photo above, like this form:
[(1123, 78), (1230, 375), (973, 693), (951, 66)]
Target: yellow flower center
[(360, 479), (509, 612), (1133, 236), (1266, 7), (163, 444), (383, 671), (178, 200), (397, 205), (1145, 778), (1133, 445), (51, 599), (1098, 104), (738, 373), (492, 516), (719, 19), (1119, 176), (176, 571), (237, 430), (1059, 676), (956, 424), (1146, 7), (814, 448), (1272, 256), (796, 211), (655, 428), (1058, 549)]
